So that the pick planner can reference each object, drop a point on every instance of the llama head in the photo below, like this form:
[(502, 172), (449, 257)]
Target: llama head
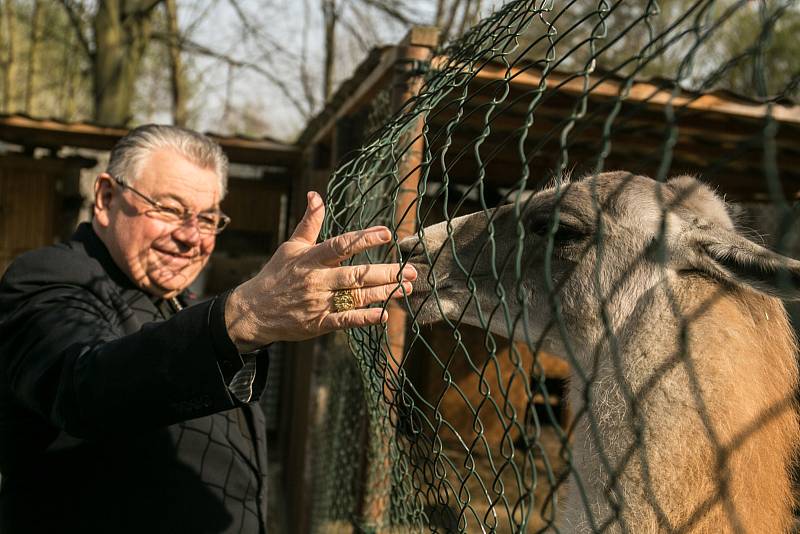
[(592, 248)]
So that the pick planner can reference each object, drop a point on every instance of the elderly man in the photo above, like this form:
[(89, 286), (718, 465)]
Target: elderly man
[(123, 408)]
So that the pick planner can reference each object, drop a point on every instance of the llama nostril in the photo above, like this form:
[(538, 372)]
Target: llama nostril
[(408, 246)]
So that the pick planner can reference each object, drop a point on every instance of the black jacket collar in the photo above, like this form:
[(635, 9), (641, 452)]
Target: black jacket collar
[(97, 250)]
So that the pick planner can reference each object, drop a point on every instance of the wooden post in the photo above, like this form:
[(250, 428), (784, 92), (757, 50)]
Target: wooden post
[(304, 358), (298, 397), (414, 51)]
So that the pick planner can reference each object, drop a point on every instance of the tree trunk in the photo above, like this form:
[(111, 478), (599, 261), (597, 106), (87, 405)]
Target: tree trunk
[(33, 57), (440, 7), (177, 73), (122, 32), (329, 14), (3, 69), (9, 61), (466, 18), (447, 24)]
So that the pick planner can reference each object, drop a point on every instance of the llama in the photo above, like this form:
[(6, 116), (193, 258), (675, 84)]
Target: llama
[(684, 361)]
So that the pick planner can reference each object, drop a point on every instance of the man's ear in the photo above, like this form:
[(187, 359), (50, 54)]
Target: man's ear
[(103, 197), (726, 255)]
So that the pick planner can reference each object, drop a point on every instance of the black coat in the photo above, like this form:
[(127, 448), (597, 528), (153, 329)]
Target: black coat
[(113, 419)]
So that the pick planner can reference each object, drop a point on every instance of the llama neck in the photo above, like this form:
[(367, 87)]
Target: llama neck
[(696, 335), (672, 393)]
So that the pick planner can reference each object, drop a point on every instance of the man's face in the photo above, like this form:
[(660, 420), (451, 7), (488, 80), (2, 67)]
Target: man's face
[(161, 257)]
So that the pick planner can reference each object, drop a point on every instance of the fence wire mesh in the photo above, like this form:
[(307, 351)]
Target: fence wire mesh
[(569, 361)]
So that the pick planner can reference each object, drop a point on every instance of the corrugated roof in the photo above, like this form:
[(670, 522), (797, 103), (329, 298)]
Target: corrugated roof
[(658, 92), (28, 131)]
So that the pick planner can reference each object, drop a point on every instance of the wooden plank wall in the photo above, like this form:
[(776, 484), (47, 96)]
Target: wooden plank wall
[(27, 207)]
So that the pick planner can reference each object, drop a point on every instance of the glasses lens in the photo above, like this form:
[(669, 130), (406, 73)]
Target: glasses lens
[(223, 222), (169, 214), (212, 223)]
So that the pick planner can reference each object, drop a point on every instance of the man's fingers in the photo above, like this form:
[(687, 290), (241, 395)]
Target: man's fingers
[(351, 277), (369, 295), (354, 319), (310, 225), (360, 316), (337, 249)]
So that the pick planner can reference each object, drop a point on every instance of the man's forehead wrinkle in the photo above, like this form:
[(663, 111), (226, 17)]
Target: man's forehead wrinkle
[(180, 200), (178, 179)]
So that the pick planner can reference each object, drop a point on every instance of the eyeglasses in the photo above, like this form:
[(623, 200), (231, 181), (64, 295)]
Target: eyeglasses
[(208, 222)]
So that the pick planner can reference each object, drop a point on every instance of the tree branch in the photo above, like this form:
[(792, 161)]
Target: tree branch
[(257, 32), (75, 21), (305, 77), (389, 9), (357, 32), (141, 8), (193, 47)]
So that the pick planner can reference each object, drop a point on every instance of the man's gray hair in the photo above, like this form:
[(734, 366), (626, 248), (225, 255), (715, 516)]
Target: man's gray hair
[(130, 152)]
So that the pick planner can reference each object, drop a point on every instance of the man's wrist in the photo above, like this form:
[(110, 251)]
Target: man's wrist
[(241, 324)]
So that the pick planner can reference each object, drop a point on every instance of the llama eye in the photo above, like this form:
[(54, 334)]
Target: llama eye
[(567, 233), (540, 227), (564, 233)]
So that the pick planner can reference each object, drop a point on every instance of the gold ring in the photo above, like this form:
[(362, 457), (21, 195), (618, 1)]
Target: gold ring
[(343, 300)]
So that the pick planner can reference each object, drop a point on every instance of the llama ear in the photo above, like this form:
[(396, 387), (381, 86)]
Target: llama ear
[(727, 255)]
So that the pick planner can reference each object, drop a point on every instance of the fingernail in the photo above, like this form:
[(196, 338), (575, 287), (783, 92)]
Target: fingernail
[(409, 273), (384, 316), (408, 287), (384, 234)]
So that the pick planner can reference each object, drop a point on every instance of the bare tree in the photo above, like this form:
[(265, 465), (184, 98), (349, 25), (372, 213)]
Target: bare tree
[(33, 54), (305, 73), (470, 16), (177, 73), (101, 51), (121, 31), (68, 104), (438, 19), (9, 61), (329, 15), (4, 70)]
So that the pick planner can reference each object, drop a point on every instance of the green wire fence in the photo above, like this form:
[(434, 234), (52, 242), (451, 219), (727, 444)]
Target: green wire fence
[(453, 428)]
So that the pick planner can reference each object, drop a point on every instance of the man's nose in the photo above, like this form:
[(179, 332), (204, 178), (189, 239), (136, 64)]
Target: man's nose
[(188, 232)]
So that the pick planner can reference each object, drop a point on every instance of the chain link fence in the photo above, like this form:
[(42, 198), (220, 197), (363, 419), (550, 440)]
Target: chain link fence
[(517, 401)]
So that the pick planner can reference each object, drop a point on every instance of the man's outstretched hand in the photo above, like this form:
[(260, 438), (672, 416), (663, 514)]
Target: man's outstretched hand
[(291, 298)]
